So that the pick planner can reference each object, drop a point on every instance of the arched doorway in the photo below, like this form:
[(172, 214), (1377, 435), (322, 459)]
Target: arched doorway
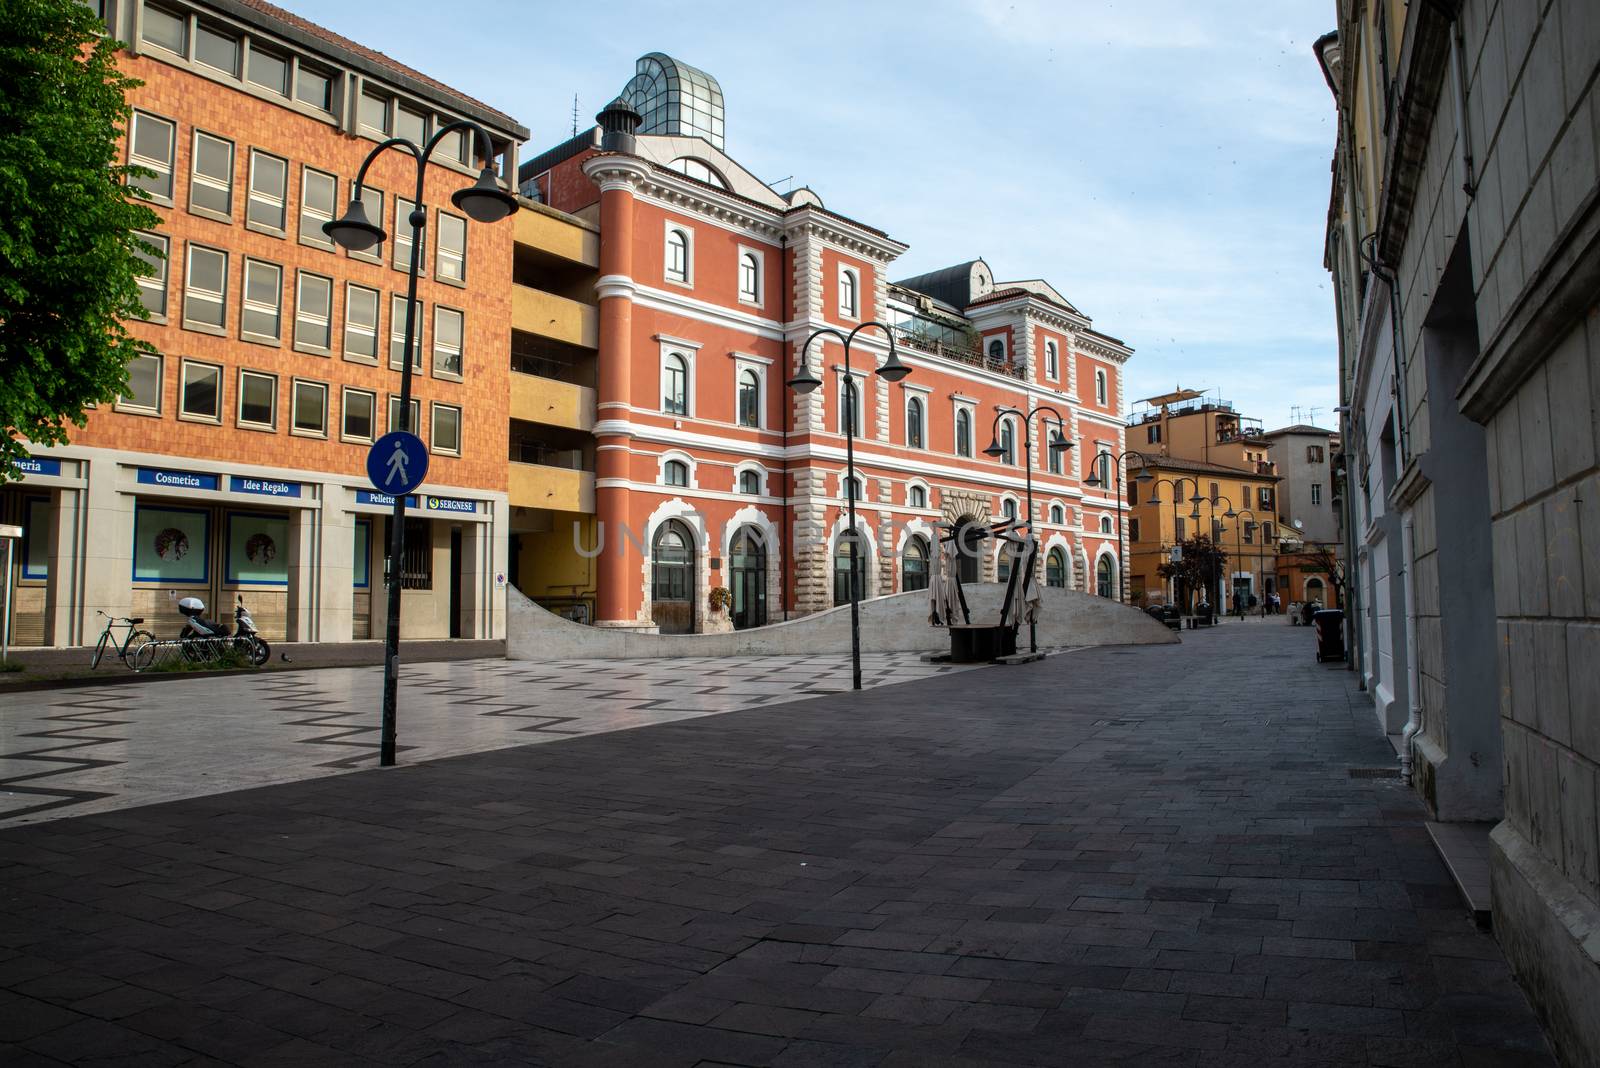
[(1055, 568), (672, 583), (914, 564), (841, 567), (1102, 577), (969, 544), (1314, 591), (748, 572)]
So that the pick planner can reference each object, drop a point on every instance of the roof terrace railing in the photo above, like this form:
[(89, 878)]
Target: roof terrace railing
[(970, 357)]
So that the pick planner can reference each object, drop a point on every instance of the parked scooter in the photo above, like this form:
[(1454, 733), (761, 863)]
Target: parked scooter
[(206, 639)]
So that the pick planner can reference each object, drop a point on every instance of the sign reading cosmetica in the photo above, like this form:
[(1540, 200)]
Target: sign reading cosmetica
[(261, 487)]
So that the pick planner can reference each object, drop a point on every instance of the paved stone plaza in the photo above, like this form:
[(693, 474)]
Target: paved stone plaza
[(1116, 856)]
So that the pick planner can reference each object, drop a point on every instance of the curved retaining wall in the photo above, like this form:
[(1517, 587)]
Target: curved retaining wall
[(894, 624)]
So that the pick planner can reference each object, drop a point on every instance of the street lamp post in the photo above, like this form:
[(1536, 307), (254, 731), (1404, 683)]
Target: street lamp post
[(1261, 555), (806, 382), (1177, 495), (1107, 462), (484, 202), (1195, 515), (1058, 444)]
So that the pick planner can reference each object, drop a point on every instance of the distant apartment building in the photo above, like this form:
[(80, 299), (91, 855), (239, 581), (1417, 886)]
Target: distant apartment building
[(707, 470), (1311, 539), (1463, 237), (234, 463)]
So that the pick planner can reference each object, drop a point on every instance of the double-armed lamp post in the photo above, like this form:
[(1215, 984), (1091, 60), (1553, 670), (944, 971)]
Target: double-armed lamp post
[(484, 202), (1058, 446), (806, 382), (1108, 467)]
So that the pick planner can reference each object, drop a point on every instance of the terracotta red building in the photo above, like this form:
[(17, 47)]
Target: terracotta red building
[(709, 472)]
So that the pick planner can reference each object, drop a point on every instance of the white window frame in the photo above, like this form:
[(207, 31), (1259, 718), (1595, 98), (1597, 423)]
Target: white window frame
[(1316, 494), (684, 458), (238, 410), (927, 493), (246, 304), (1102, 387), (392, 412), (742, 365), (861, 402), (971, 408), (1005, 349), (183, 381), (377, 324), (196, 178), (861, 480), (388, 103), (373, 200), (1052, 360), (166, 168), (400, 246), (158, 282), (133, 407), (854, 277), (397, 334), (1057, 506), (294, 407), (299, 313), (433, 428), (750, 467), (1009, 423), (1104, 525), (921, 400), (189, 289), (1015, 505), (461, 344), (441, 255), (688, 350), (687, 281), (319, 239), (280, 200), (372, 417), (745, 297)]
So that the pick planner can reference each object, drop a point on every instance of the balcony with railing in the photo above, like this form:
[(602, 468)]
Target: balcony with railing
[(551, 382), (550, 467), (958, 353)]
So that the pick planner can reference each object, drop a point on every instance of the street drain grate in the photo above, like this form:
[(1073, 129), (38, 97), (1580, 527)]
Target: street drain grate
[(1374, 773)]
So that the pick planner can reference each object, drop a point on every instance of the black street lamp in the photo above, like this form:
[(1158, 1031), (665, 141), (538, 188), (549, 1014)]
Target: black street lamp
[(1109, 464), (1058, 446), (485, 202), (1261, 554), (1177, 496), (1197, 499), (806, 382)]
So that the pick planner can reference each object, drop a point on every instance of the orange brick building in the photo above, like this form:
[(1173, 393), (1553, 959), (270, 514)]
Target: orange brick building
[(235, 461), (709, 472)]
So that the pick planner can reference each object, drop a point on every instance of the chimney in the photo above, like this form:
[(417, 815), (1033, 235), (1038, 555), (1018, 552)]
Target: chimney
[(618, 123)]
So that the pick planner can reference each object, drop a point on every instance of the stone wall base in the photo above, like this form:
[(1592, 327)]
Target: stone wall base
[(1551, 936)]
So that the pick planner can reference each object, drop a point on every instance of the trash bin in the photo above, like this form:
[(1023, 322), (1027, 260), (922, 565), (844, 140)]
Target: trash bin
[(1330, 634)]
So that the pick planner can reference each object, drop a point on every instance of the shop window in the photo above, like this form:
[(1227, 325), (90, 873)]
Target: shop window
[(416, 571), (150, 145), (397, 334), (310, 411), (361, 555), (217, 50), (413, 413), (211, 176), (261, 316), (319, 195), (450, 253), (268, 70), (205, 290), (257, 549), (144, 386), (35, 563), (258, 400), (200, 395), (171, 545), (361, 323), (448, 329), (152, 249), (269, 192), (446, 424), (313, 313), (358, 408), (165, 29)]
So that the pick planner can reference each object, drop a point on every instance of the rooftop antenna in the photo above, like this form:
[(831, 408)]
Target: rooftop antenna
[(1311, 417), (574, 114), (781, 181), (1294, 413)]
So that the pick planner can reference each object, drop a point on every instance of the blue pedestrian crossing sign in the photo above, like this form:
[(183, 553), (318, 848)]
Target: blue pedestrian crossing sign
[(397, 463)]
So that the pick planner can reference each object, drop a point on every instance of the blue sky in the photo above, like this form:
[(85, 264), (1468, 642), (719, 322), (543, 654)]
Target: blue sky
[(1164, 163)]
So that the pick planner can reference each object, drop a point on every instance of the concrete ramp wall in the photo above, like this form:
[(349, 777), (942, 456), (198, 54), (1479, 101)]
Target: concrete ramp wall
[(893, 624)]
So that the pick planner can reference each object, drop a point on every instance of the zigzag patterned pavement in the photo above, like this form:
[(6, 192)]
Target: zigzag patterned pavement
[(73, 751)]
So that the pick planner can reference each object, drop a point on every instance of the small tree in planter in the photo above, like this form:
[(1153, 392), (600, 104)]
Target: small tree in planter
[(720, 601)]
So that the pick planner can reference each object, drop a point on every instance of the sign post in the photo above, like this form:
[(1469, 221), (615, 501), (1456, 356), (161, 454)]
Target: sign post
[(396, 464)]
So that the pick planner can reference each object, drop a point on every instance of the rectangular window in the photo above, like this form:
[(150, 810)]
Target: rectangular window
[(447, 429), (152, 249), (453, 146), (319, 196), (1316, 493), (373, 115), (258, 400), (309, 414), (1214, 492), (144, 385), (1313, 454), (448, 329), (361, 323), (416, 569), (201, 394), (313, 87), (1266, 497), (410, 125), (397, 334), (165, 29), (372, 200), (360, 409), (1266, 532), (1178, 528), (1133, 529), (404, 235), (313, 313), (261, 317), (268, 71), (217, 50), (205, 289), (414, 411), (1152, 434), (269, 192), (150, 145), (211, 177), (450, 264)]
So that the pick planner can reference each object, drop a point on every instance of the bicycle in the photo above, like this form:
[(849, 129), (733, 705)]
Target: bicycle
[(126, 648)]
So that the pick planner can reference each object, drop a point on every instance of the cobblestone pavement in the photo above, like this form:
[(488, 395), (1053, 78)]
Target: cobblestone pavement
[(1153, 856), (72, 751)]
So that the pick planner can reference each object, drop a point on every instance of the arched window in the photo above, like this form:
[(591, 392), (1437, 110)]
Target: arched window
[(675, 385), (1105, 524), (914, 423), (748, 570), (1052, 361), (849, 294), (1002, 566), (677, 256), (1055, 569), (855, 488), (1052, 457), (917, 497), (749, 277), (1058, 515), (1008, 442), (749, 398), (1008, 508), (997, 349), (914, 564), (749, 482), (675, 473), (841, 567), (963, 432), (849, 417), (672, 561), (1100, 387), (1102, 577)]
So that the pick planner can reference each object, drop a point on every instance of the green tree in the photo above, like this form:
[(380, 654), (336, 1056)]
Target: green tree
[(69, 259), (1198, 566)]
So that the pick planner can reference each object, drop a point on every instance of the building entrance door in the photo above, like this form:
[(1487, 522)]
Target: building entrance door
[(672, 586), (454, 578), (969, 544), (749, 573)]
